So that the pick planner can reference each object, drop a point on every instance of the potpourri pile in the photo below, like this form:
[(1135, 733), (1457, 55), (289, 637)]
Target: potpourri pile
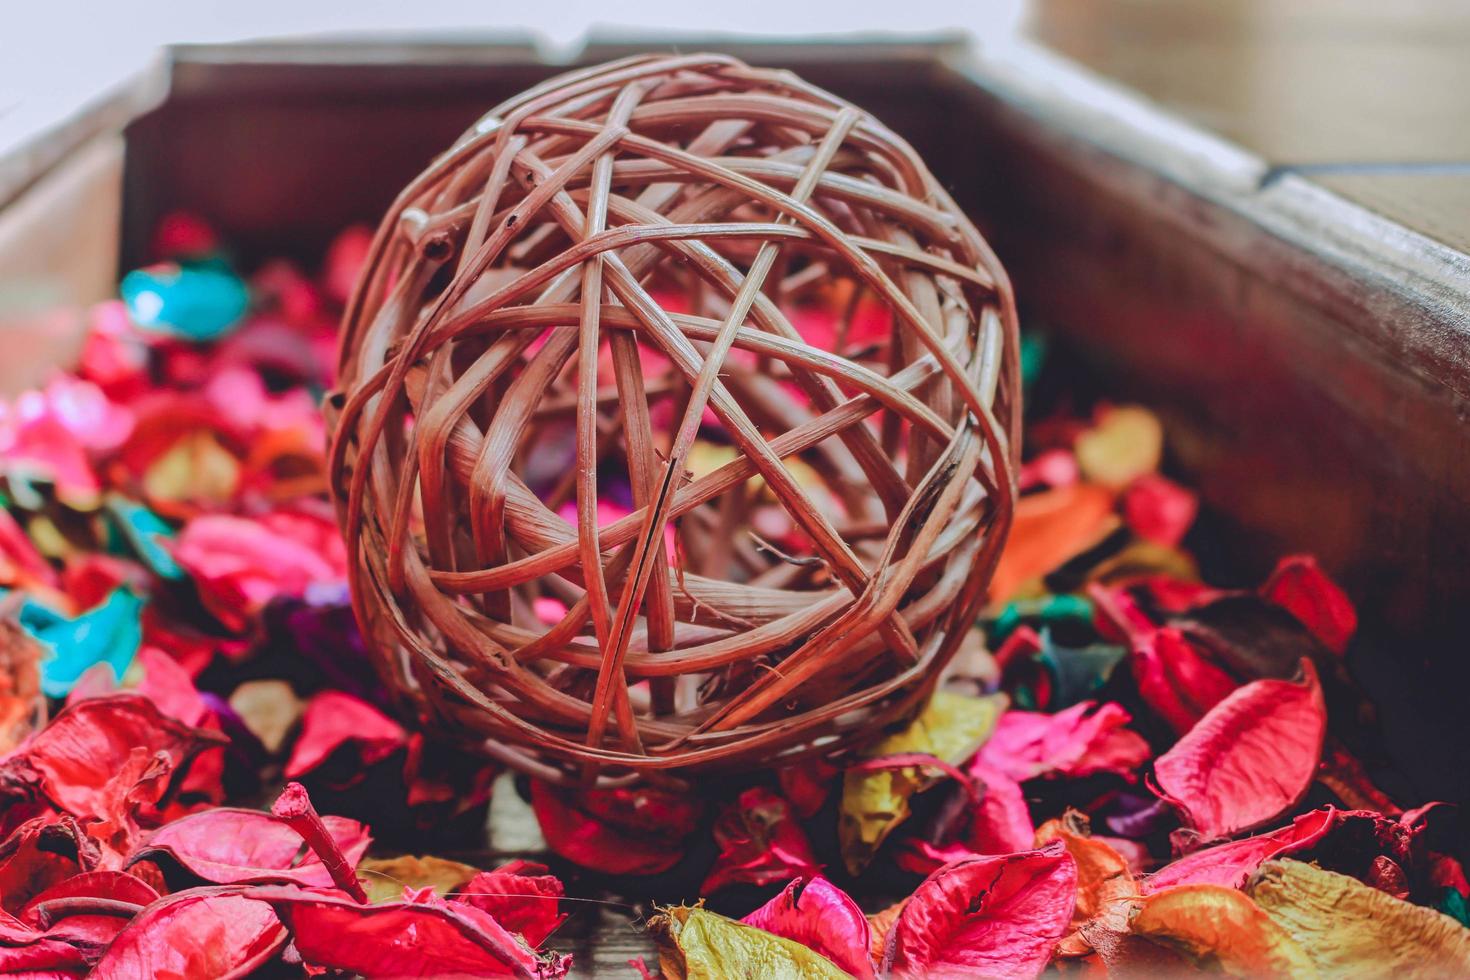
[(1127, 771)]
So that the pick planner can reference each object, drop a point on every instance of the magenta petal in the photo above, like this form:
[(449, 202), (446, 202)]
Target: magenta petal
[(986, 917), (823, 917), (202, 932), (1076, 742), (425, 937), (1232, 864), (234, 846)]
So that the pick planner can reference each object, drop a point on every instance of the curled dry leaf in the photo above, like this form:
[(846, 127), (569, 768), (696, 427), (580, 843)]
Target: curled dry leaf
[(986, 917), (235, 846), (1250, 759), (1223, 929), (875, 801), (80, 758), (1175, 678), (1103, 875), (1347, 928), (384, 879), (822, 917), (202, 932), (999, 822), (696, 944)]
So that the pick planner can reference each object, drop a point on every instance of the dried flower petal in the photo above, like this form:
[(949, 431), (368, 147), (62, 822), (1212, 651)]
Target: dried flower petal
[(822, 917), (1299, 586), (615, 831), (1078, 741), (986, 917), (226, 845), (1348, 928), (521, 896), (333, 721), (1249, 760), (760, 843), (202, 932), (696, 944), (949, 729), (1221, 927), (425, 937)]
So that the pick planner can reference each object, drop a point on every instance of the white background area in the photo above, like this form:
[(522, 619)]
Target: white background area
[(55, 55)]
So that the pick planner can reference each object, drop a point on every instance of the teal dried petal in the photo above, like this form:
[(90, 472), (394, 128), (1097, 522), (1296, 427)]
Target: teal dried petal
[(199, 301), (1077, 673), (1048, 612), (1033, 357), (108, 633), (1453, 904), (145, 534)]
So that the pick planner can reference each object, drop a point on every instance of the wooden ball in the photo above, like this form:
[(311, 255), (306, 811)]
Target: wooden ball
[(676, 426)]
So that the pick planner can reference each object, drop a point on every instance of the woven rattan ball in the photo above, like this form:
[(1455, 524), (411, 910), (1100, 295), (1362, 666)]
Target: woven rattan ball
[(676, 426)]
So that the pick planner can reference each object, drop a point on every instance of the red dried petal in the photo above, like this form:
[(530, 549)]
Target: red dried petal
[(1299, 586), (808, 784), (998, 823), (202, 932), (986, 917), (1158, 509), (1175, 679), (334, 720), (234, 846), (82, 757), (422, 938), (1078, 741), (40, 853), (116, 886), (521, 896), (1250, 759), (822, 917), (616, 831), (1233, 863), (760, 843)]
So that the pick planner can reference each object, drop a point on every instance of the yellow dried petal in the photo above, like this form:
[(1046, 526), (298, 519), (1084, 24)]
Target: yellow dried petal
[(1127, 443), (196, 467), (1223, 928), (385, 878), (951, 728), (1352, 929), (696, 944)]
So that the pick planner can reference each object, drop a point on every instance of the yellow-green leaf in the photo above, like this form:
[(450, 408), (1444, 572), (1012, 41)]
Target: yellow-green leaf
[(1352, 929), (1221, 928), (951, 728), (696, 944), (385, 878)]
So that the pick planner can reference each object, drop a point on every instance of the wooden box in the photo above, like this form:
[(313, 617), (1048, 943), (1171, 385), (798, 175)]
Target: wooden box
[(1311, 359)]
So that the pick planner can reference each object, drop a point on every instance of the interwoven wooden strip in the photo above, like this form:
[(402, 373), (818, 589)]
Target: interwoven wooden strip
[(617, 288)]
